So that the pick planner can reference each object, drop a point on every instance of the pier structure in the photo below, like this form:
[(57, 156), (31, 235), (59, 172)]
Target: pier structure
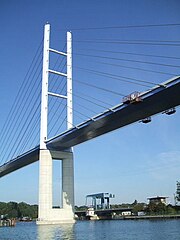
[(7, 222)]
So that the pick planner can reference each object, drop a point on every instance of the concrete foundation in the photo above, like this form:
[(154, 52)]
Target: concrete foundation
[(46, 213)]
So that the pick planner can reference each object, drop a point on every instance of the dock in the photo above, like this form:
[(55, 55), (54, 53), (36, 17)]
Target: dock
[(8, 223)]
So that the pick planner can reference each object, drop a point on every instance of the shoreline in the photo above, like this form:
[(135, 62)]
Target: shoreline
[(128, 217), (177, 216)]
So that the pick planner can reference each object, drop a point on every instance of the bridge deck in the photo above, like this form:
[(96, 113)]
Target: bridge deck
[(156, 100)]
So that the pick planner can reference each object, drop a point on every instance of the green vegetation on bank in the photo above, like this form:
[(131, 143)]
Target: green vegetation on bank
[(160, 209), (18, 210), (148, 209)]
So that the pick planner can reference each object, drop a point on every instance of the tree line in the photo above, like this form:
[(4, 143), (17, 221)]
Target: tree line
[(22, 209), (18, 210)]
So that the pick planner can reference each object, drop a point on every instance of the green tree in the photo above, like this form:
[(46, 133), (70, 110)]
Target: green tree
[(170, 210), (159, 208), (139, 207), (15, 210), (135, 203), (12, 209)]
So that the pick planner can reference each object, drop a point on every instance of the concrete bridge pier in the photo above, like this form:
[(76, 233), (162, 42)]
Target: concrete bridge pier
[(46, 213)]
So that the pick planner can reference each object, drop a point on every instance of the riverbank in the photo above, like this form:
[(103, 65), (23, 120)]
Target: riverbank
[(176, 216), (116, 214)]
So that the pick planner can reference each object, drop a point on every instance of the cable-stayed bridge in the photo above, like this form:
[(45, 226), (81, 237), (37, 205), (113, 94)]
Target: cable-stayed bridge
[(161, 98), (157, 100)]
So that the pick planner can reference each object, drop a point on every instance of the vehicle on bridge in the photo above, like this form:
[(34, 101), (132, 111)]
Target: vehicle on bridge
[(132, 98)]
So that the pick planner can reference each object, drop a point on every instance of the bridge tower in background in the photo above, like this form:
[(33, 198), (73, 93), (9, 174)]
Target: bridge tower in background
[(46, 213)]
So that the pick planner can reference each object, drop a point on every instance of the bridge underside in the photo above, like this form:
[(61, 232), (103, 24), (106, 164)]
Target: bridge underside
[(19, 162), (120, 116)]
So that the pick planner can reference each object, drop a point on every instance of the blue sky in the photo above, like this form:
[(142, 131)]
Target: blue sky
[(134, 162)]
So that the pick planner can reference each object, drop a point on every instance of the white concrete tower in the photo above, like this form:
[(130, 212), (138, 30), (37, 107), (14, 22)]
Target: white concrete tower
[(46, 213), (68, 165)]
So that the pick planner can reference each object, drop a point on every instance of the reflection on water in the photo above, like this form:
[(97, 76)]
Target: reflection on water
[(95, 230), (51, 232)]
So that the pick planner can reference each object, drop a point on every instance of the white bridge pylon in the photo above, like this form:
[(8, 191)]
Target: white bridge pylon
[(46, 213)]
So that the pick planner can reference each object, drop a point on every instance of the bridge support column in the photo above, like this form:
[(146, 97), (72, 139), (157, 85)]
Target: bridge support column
[(45, 185), (46, 213), (68, 182)]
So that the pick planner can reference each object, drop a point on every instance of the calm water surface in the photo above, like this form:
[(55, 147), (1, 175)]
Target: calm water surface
[(95, 230)]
